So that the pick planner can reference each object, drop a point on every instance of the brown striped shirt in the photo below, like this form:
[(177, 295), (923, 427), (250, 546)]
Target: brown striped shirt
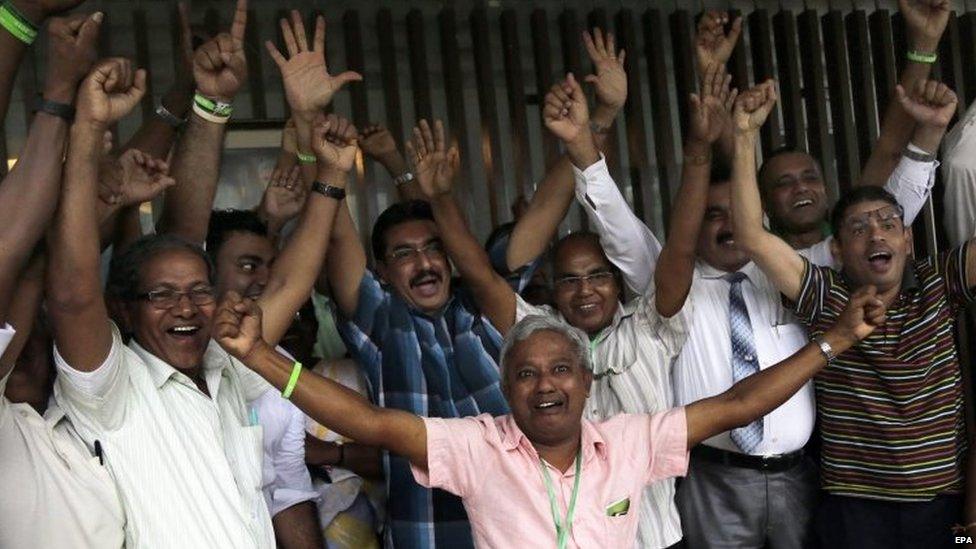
[(891, 408)]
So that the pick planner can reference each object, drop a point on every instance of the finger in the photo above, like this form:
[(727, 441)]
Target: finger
[(560, 93), (418, 140), (240, 21), (736, 30), (930, 87), (89, 29), (211, 52), (299, 26), (318, 42), (708, 79), (186, 35), (901, 96), (919, 89), (577, 90), (428, 136), (294, 175), (138, 88), (439, 143), (694, 101), (289, 38), (730, 102), (598, 42), (621, 57), (611, 45), (344, 78), (275, 54), (411, 152), (590, 46)]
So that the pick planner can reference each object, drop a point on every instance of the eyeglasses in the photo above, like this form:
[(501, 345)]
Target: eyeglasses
[(167, 298), (886, 217), (404, 254), (598, 278)]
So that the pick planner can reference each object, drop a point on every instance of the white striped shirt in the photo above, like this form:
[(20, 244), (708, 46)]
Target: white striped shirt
[(187, 466), (631, 375)]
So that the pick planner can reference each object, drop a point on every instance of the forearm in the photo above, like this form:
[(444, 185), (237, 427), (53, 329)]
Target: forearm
[(295, 270), (24, 306), (365, 461), (297, 527), (155, 136), (747, 213), (761, 393), (196, 167), (897, 127), (337, 407), (128, 227), (13, 52), (345, 264), (676, 263)]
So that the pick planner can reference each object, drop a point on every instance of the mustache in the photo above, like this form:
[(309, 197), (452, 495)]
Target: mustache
[(424, 274)]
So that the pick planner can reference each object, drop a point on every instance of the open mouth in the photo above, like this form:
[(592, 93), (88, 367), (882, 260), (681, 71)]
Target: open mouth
[(587, 308), (550, 406), (427, 286), (880, 260), (183, 331), (802, 203), (725, 239)]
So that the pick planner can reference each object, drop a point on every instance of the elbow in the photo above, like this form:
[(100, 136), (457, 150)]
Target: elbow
[(70, 299)]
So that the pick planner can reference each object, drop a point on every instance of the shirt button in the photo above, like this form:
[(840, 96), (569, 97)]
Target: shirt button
[(748, 357)]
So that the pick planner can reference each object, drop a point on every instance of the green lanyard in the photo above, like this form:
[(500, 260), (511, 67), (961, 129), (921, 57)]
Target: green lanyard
[(565, 526)]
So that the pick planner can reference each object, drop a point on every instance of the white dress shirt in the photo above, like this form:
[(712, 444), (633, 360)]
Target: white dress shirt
[(703, 368), (285, 480), (959, 179), (631, 363), (55, 493), (187, 466)]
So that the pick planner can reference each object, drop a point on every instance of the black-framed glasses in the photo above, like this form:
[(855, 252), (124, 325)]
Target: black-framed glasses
[(887, 217), (598, 278), (405, 254), (167, 298)]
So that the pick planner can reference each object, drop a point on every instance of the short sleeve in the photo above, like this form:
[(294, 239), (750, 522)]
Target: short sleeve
[(659, 442), (953, 266), (809, 305), (523, 309), (98, 395), (456, 450), (292, 483), (819, 253)]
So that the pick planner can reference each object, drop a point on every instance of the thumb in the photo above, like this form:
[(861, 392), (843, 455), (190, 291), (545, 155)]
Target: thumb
[(901, 95), (577, 90), (349, 76), (89, 28), (591, 79)]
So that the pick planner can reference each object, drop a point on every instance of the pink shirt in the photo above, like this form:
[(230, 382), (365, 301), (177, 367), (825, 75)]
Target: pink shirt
[(490, 463)]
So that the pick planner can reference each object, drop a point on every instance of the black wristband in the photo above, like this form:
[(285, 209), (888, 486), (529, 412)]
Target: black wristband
[(61, 110), (329, 191)]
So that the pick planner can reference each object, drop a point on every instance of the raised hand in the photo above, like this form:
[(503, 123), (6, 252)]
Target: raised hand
[(308, 85), (753, 106), (435, 165), (284, 197), (237, 325), (334, 141), (71, 53), (712, 44), (219, 66), (110, 92), (135, 177), (565, 112), (711, 110), (377, 142), (925, 21), (864, 312), (38, 10), (931, 103), (609, 78)]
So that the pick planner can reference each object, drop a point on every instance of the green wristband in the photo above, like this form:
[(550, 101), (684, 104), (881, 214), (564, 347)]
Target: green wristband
[(216, 108), (292, 381), (922, 57), (16, 24), (306, 158)]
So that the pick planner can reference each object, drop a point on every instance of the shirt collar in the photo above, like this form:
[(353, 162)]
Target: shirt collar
[(160, 371), (593, 443), (704, 270)]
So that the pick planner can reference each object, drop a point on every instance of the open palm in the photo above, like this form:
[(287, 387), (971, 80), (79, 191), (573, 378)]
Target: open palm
[(435, 165)]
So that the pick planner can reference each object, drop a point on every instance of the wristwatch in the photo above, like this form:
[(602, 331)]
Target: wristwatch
[(61, 110), (163, 113), (330, 191), (403, 178), (825, 348), (917, 153)]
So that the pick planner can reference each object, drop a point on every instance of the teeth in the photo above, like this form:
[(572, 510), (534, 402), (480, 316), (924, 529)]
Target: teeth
[(547, 405), (882, 255), (805, 202), (184, 329)]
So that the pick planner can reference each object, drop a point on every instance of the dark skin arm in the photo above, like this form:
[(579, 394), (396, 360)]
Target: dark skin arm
[(436, 169), (297, 527), (676, 264), (761, 393), (76, 306), (24, 307), (237, 327), (379, 144), (29, 193), (925, 21), (365, 461), (219, 70)]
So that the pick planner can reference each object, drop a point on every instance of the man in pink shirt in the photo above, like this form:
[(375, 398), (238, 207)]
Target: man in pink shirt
[(543, 475)]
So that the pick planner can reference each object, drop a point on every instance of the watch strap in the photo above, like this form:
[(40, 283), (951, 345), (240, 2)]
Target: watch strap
[(403, 178), (330, 191), (163, 113), (825, 349), (61, 110)]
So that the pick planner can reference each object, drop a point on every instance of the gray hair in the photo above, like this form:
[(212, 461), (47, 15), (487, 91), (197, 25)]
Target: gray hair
[(535, 323)]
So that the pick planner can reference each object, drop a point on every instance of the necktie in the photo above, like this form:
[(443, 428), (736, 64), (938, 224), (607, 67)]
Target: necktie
[(744, 361)]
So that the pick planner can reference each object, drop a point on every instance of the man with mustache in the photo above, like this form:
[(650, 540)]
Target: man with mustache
[(891, 407), (517, 473)]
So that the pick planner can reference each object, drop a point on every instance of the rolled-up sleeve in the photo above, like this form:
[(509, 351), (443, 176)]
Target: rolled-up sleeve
[(959, 179), (911, 182), (97, 395), (627, 241)]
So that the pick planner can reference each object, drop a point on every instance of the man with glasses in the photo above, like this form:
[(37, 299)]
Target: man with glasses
[(891, 407), (167, 415)]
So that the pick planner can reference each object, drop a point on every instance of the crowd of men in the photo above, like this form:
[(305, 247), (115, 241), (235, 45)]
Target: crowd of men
[(252, 378)]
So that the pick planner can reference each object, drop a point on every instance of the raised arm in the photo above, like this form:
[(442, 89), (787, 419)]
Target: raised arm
[(436, 167), (219, 70), (710, 114), (553, 196), (283, 199), (74, 291), (925, 21), (295, 270), (379, 144), (29, 193), (762, 392), (781, 263), (237, 327)]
